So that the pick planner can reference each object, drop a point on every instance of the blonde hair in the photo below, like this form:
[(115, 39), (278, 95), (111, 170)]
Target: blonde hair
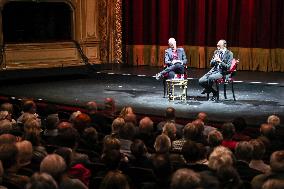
[(25, 152)]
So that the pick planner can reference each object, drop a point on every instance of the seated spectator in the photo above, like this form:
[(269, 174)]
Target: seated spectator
[(55, 165), (162, 170), (140, 154), (240, 125), (78, 171), (185, 179), (115, 180), (1, 176), (126, 110), (42, 180), (89, 140), (273, 184), (257, 155), (68, 137), (116, 125), (229, 178), (25, 153), (243, 154), (5, 126), (277, 170), (200, 129), (169, 129), (268, 137), (279, 129), (126, 135), (162, 144), (9, 156), (170, 116), (228, 131), (29, 110), (131, 118), (50, 133), (7, 139), (194, 155), (202, 116), (190, 132), (146, 133), (32, 133), (215, 139)]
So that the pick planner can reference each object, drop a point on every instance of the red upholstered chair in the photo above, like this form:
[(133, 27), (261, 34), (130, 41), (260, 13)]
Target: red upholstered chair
[(165, 77), (227, 79)]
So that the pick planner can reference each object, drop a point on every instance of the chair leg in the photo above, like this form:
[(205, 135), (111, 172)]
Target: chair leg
[(225, 90), (207, 97), (165, 87), (233, 91), (218, 90)]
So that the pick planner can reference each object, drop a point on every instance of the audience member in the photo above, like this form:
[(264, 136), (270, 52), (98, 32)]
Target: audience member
[(42, 181), (257, 155), (185, 179), (202, 116), (228, 131), (115, 180), (240, 126)]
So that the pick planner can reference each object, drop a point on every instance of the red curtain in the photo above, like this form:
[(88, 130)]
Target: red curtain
[(243, 23)]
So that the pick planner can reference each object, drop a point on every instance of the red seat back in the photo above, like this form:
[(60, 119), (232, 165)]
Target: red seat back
[(233, 65)]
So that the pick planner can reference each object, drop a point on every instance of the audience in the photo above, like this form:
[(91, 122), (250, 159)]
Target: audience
[(104, 145)]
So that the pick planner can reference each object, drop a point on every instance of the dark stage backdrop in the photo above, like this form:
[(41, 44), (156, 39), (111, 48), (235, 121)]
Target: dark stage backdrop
[(254, 30)]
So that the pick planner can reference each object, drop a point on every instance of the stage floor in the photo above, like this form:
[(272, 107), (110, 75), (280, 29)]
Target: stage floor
[(258, 94)]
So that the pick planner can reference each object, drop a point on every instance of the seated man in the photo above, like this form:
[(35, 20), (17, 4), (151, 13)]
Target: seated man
[(220, 63), (175, 59)]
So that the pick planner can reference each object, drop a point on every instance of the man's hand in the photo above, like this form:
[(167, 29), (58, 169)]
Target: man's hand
[(175, 61)]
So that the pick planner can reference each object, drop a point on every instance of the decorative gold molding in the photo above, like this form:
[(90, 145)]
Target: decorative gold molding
[(118, 31), (103, 30)]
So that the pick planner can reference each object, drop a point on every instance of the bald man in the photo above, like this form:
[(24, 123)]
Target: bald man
[(175, 59), (220, 63)]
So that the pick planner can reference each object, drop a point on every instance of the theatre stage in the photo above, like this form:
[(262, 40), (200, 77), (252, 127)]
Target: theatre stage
[(258, 94)]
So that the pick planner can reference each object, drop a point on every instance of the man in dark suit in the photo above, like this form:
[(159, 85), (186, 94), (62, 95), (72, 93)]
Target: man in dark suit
[(175, 59), (220, 63)]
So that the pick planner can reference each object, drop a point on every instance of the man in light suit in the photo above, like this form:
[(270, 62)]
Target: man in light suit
[(175, 59), (220, 63)]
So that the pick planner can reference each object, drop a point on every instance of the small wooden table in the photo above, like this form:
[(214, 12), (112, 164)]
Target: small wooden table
[(172, 93)]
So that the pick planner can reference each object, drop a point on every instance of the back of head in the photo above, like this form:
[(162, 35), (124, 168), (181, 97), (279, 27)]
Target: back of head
[(273, 120), (8, 155), (191, 132), (258, 149), (81, 122), (228, 130), (7, 139), (68, 137), (7, 107), (54, 165), (267, 130), (29, 106), (185, 179), (111, 159), (52, 121), (41, 181), (244, 151), (25, 152), (110, 143), (117, 124), (114, 180), (221, 156), (215, 138), (170, 113), (138, 148), (131, 118), (202, 116), (273, 184), (126, 110), (200, 126), (92, 107), (277, 162), (127, 131), (229, 177), (161, 166), (146, 125), (162, 144), (190, 151), (109, 104), (5, 126), (169, 129)]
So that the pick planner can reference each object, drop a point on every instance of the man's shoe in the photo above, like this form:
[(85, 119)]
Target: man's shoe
[(215, 96), (158, 76)]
